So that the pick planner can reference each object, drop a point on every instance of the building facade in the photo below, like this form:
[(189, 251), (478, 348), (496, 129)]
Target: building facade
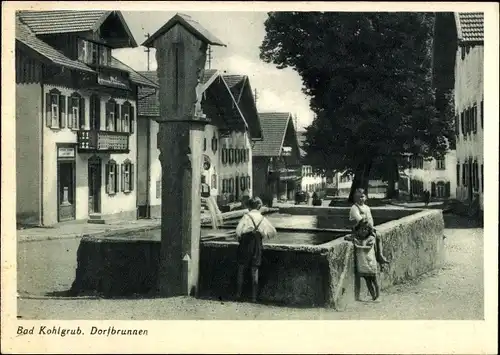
[(310, 180), (276, 158), (469, 105), (227, 145), (75, 117), (434, 175)]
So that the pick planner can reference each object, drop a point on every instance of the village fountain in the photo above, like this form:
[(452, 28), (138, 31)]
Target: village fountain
[(310, 265)]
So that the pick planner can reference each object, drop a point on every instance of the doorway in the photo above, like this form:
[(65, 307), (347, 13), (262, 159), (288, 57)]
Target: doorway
[(66, 190), (95, 180)]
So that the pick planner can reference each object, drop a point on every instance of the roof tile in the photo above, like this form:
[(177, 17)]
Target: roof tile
[(274, 125), (62, 21), (471, 25), (28, 38)]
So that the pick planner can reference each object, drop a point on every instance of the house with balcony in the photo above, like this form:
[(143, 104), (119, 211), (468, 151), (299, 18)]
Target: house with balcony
[(75, 117), (227, 147), (459, 46), (276, 158)]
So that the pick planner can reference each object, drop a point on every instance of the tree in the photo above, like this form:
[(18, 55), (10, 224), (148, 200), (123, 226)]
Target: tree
[(369, 77)]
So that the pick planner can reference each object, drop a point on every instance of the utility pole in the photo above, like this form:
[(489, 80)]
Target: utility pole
[(147, 50), (209, 57)]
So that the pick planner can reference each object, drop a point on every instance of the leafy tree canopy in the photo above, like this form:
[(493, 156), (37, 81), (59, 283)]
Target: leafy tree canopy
[(369, 77)]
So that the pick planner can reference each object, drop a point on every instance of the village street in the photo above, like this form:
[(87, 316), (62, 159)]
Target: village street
[(453, 292)]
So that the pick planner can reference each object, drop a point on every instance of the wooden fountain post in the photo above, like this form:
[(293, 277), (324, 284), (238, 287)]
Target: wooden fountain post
[(181, 46)]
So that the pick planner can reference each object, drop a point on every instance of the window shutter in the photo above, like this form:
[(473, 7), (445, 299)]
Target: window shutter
[(62, 111), (205, 144), (118, 120), (123, 177), (475, 118), (482, 178), (131, 119), (231, 155), (464, 169), (458, 174), (70, 112), (224, 155), (249, 181), (82, 113), (48, 111), (107, 178), (462, 122), (117, 178), (448, 189), (223, 185), (236, 156), (131, 177), (482, 113)]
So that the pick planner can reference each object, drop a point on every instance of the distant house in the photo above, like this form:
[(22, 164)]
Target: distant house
[(227, 149), (75, 117), (459, 44), (435, 175), (310, 180), (276, 158)]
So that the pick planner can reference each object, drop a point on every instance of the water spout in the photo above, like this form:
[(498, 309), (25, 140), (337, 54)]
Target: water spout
[(213, 209)]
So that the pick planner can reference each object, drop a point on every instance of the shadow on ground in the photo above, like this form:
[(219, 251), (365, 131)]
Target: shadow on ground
[(452, 221)]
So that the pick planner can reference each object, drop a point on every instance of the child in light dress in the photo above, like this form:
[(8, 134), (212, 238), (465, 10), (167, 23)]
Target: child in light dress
[(366, 261)]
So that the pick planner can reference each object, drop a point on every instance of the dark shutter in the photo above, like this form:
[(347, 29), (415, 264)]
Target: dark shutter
[(223, 155), (482, 113), (464, 172), (131, 177), (70, 112), (476, 169), (462, 122), (132, 119), (48, 111), (482, 178), (230, 151), (82, 113), (458, 174), (249, 181), (107, 178), (474, 112), (223, 185), (118, 120), (62, 111), (448, 189), (457, 127), (117, 178), (242, 183), (123, 177), (205, 144), (237, 156)]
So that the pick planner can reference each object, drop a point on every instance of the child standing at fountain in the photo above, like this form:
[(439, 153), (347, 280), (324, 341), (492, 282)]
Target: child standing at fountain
[(366, 262), (251, 229)]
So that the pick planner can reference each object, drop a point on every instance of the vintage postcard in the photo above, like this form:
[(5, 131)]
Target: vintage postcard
[(171, 169)]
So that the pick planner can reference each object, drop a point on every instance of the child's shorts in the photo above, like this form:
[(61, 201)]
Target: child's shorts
[(250, 250)]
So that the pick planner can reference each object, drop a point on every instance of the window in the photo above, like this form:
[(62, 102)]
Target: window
[(127, 176), (55, 109), (476, 175), (417, 162), (112, 109), (94, 53), (458, 174), (441, 190), (76, 111), (126, 109), (440, 164), (111, 178)]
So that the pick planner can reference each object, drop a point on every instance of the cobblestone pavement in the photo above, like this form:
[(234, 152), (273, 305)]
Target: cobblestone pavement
[(48, 266)]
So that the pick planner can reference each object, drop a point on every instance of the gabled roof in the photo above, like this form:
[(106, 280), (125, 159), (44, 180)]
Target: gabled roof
[(274, 126), (70, 21), (191, 25), (148, 104), (27, 38), (237, 84), (470, 26)]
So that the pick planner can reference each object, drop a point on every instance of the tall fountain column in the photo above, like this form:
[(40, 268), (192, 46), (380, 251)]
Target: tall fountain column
[(180, 55)]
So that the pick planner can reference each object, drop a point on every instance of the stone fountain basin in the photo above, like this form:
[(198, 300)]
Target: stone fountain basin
[(292, 274)]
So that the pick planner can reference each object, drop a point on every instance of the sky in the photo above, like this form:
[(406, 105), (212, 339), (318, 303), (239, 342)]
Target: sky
[(242, 32)]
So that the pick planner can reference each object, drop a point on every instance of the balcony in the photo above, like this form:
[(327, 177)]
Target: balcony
[(102, 141)]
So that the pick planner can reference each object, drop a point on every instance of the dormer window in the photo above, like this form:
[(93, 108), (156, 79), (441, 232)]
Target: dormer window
[(94, 53)]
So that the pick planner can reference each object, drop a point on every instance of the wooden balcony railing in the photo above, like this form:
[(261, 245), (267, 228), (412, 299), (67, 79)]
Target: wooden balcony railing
[(103, 141)]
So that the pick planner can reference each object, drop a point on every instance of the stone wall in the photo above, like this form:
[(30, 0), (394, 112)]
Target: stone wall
[(126, 263)]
